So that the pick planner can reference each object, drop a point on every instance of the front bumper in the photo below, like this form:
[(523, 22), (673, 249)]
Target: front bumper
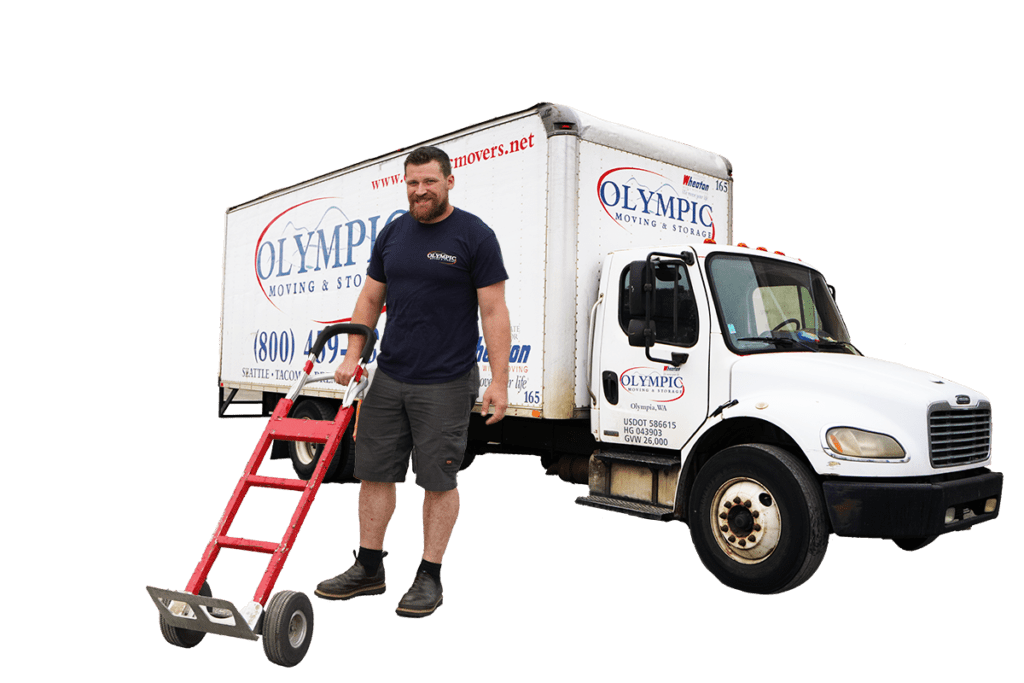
[(895, 508)]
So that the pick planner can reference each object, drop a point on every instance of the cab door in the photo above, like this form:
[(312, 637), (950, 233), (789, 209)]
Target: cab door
[(650, 365)]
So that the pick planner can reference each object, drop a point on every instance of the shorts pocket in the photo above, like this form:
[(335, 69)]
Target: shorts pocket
[(455, 441)]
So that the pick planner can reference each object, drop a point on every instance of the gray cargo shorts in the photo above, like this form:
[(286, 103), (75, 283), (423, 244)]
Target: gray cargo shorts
[(427, 422)]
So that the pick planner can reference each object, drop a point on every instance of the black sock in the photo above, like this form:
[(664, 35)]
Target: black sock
[(434, 569), (370, 559)]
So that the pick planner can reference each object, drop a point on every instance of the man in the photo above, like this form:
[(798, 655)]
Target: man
[(434, 267)]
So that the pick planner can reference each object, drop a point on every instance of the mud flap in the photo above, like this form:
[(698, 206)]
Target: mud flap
[(192, 612)]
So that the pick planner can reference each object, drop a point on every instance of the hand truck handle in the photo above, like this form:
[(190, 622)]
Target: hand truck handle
[(341, 328)]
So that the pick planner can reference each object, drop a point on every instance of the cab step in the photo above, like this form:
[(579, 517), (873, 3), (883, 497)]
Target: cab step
[(628, 507), (633, 482), (654, 462)]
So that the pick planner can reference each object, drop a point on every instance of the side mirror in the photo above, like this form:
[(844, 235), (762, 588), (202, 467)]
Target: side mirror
[(637, 296), (641, 333)]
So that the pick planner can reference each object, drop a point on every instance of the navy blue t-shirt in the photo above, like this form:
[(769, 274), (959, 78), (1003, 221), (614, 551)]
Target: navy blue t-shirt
[(432, 272)]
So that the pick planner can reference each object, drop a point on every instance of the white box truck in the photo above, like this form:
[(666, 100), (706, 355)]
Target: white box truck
[(678, 376)]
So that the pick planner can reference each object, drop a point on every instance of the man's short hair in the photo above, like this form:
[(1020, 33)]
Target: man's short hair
[(424, 155)]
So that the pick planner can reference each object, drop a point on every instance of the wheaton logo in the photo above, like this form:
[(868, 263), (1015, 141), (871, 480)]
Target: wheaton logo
[(442, 257), (690, 181)]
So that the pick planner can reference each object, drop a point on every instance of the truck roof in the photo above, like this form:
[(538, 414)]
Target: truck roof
[(706, 249), (562, 120)]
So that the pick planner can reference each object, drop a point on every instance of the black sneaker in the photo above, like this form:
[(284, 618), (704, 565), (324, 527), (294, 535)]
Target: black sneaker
[(422, 599), (353, 583)]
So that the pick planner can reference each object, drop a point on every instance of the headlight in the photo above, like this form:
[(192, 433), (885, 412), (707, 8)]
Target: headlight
[(856, 443)]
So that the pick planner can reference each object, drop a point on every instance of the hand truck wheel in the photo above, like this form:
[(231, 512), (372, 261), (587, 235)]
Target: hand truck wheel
[(287, 628), (183, 637)]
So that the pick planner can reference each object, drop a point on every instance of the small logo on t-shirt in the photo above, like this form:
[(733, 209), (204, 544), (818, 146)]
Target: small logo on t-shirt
[(442, 257)]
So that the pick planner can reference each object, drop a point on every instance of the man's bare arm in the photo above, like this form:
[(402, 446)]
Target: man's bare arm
[(494, 320), (366, 312)]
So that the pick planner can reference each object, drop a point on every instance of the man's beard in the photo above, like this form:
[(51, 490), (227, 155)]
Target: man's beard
[(429, 212)]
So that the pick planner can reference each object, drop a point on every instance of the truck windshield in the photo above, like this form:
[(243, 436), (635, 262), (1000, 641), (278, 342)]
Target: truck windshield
[(771, 306)]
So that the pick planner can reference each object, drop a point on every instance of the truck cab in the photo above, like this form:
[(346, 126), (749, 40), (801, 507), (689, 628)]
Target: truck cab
[(726, 391)]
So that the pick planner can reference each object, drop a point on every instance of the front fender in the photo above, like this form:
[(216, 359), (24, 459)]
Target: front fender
[(806, 418)]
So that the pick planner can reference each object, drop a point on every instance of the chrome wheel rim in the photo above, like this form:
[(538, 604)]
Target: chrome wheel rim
[(297, 628), (745, 520)]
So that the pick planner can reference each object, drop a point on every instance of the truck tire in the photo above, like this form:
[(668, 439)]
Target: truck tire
[(305, 456), (758, 519)]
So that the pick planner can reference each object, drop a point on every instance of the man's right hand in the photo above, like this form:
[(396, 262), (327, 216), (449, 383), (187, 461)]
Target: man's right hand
[(343, 375)]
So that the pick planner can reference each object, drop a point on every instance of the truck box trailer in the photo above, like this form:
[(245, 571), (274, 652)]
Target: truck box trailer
[(296, 259), (679, 376)]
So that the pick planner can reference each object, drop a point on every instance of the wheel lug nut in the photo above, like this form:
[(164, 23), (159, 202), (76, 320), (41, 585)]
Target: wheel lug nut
[(725, 527), (743, 543), (737, 500), (746, 503), (732, 539), (757, 527), (728, 504), (751, 538), (755, 514), (723, 516)]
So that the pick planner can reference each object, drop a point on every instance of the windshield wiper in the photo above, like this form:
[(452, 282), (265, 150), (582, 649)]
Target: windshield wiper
[(783, 341), (832, 344)]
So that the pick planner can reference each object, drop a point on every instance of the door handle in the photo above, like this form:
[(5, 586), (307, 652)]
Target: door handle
[(610, 382)]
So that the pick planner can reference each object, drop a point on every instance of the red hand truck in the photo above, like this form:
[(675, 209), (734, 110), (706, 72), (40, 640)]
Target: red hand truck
[(286, 624)]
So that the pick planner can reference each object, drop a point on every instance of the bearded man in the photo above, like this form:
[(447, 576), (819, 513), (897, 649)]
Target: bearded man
[(434, 267)]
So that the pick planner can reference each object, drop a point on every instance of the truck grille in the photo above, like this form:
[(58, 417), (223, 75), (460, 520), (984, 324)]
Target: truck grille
[(959, 436)]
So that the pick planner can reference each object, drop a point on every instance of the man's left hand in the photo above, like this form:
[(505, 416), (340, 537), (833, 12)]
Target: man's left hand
[(496, 395)]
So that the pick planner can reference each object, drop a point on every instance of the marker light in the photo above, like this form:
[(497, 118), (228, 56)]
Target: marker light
[(743, 244), (761, 249), (708, 240), (780, 253), (856, 443), (990, 505)]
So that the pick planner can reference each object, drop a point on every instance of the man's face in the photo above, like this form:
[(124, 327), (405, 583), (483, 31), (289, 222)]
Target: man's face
[(428, 192)]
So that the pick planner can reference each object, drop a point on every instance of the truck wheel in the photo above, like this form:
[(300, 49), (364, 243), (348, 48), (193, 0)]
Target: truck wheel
[(913, 543), (183, 637), (287, 628), (757, 519), (305, 455)]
